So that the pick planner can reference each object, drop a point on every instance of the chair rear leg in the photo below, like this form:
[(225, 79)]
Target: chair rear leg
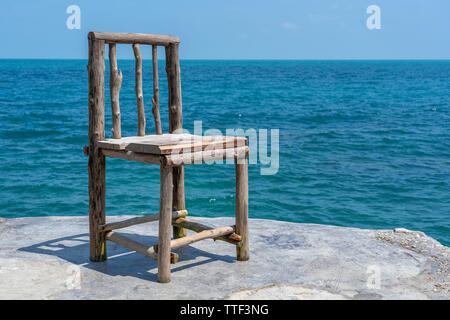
[(96, 164), (178, 198), (242, 249)]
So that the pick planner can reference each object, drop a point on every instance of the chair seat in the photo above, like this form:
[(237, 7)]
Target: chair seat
[(167, 144)]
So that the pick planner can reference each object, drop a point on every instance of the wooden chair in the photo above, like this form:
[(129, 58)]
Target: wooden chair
[(170, 151)]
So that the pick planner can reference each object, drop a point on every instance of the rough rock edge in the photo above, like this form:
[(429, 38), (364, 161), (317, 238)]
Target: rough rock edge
[(417, 241)]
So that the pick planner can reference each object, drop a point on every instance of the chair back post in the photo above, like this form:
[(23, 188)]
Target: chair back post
[(174, 87), (175, 126), (96, 164)]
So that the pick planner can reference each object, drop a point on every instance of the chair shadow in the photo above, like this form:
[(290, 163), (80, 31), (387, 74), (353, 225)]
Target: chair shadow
[(121, 261)]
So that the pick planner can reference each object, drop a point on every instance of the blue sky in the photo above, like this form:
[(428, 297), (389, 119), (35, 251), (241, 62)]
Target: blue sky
[(235, 29)]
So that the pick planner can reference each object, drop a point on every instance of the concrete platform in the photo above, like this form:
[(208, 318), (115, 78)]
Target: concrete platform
[(48, 258)]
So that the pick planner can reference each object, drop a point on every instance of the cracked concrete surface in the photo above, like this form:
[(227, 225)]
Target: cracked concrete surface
[(48, 258)]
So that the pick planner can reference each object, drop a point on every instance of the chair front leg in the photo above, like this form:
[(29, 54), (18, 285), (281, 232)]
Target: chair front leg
[(165, 223)]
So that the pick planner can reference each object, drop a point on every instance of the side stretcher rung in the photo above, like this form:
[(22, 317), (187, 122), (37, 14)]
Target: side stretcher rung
[(138, 220), (137, 246), (205, 234), (232, 238)]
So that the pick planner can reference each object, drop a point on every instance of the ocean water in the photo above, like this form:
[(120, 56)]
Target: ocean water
[(362, 143)]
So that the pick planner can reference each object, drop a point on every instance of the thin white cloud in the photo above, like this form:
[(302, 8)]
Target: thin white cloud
[(289, 25)]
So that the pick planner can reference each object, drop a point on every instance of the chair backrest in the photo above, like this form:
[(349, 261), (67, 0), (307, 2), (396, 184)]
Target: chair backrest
[(96, 70)]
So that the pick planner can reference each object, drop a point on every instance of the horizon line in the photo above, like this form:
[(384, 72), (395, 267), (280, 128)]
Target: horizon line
[(245, 59)]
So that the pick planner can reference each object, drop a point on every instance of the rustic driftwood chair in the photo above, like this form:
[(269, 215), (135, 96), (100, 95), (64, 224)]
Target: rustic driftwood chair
[(170, 151)]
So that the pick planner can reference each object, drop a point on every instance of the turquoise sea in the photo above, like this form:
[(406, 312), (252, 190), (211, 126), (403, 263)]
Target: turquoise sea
[(362, 143)]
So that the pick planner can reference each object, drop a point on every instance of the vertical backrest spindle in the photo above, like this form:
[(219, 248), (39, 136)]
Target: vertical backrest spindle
[(138, 88), (155, 100), (115, 83)]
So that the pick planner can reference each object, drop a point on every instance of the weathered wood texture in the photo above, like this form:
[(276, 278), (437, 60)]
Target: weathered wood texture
[(178, 197), (115, 83), (138, 89), (139, 220), (242, 250), (172, 143), (133, 156), (126, 242), (96, 164), (165, 223), (175, 125), (198, 227), (155, 100), (206, 234), (174, 88), (121, 144), (131, 244), (131, 38), (195, 143), (206, 156), (175, 160)]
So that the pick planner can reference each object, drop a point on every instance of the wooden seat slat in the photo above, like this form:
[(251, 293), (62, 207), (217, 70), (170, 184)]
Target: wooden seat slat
[(172, 143)]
